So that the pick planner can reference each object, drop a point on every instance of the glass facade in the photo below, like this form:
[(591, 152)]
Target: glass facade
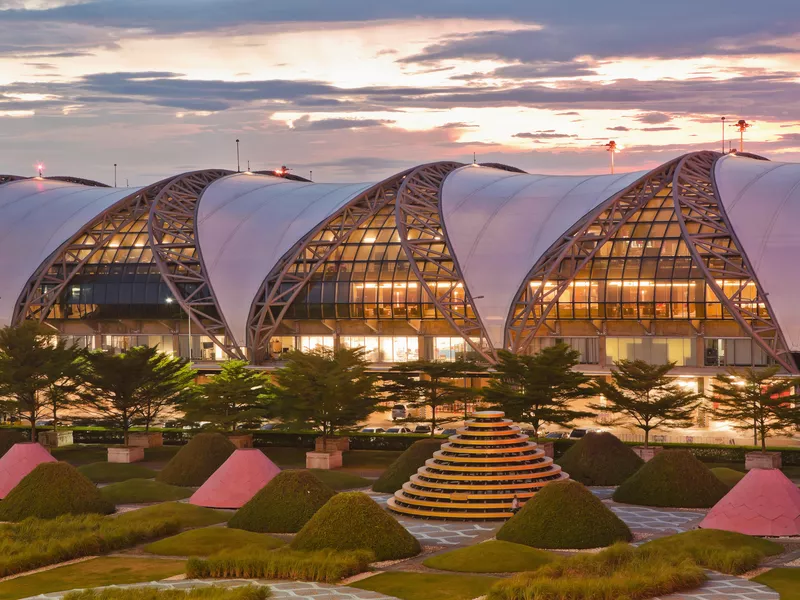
[(384, 349), (588, 347), (655, 350), (734, 352)]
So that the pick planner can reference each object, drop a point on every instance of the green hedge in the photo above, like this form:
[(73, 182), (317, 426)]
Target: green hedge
[(197, 460), (406, 465), (600, 459)]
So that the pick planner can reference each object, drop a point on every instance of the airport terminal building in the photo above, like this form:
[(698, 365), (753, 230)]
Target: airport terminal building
[(696, 261)]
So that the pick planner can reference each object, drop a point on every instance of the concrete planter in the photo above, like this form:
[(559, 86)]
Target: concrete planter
[(242, 441), (145, 440), (323, 460), (332, 444), (125, 454), (762, 460), (648, 453), (549, 449), (55, 439)]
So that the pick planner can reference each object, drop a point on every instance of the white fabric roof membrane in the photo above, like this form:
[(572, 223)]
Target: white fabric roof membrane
[(762, 201), (36, 217), (500, 223), (246, 223)]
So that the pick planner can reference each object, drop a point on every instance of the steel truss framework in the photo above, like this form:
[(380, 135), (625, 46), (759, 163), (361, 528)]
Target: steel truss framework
[(173, 235), (48, 282), (423, 237), (296, 268), (718, 253), (565, 259)]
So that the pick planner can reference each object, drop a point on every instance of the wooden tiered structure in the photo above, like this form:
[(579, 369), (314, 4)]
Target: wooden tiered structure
[(476, 473)]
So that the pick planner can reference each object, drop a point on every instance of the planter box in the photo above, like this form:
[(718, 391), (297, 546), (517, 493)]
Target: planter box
[(55, 439), (242, 441), (323, 460), (762, 460), (549, 449), (125, 454), (146, 440), (332, 444), (647, 454)]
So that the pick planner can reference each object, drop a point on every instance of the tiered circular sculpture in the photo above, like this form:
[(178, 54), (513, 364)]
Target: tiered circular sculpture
[(477, 473)]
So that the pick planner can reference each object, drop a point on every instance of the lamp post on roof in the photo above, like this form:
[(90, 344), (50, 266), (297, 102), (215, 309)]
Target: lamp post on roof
[(115, 174), (742, 126), (238, 169), (40, 168), (723, 135), (612, 148)]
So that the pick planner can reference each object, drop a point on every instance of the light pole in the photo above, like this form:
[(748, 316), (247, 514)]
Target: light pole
[(723, 135), (115, 174), (238, 169), (612, 148), (742, 126), (40, 168)]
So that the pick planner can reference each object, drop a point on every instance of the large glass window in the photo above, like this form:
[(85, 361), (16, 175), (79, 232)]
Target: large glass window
[(655, 350), (734, 352), (382, 349), (309, 343), (452, 348), (588, 347)]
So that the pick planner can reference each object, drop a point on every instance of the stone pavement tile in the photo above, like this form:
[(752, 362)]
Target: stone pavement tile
[(726, 587), (652, 519)]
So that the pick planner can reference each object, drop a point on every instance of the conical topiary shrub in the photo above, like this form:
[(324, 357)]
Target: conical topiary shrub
[(565, 514), (51, 490), (406, 465), (284, 505), (673, 478), (353, 521), (197, 460), (600, 459)]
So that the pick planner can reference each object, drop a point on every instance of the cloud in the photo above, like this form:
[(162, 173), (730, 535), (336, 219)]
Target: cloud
[(654, 118), (304, 124), (619, 128), (549, 134), (668, 128)]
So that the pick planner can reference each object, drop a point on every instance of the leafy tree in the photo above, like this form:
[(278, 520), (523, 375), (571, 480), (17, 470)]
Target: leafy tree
[(68, 365), (235, 395), (756, 400), (324, 388), (538, 389), (644, 396), (430, 384), (133, 387)]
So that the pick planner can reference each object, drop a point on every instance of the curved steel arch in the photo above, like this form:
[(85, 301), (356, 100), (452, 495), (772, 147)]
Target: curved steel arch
[(718, 253), (176, 250), (503, 167), (312, 251), (78, 180), (423, 236), (579, 244), (44, 287)]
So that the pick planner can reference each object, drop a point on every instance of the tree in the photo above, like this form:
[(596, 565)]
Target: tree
[(538, 389), (133, 387), (67, 371), (324, 388), (645, 397), (430, 383), (237, 394), (756, 400)]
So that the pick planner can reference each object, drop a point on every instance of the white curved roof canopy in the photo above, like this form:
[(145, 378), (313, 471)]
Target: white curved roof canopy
[(762, 201), (36, 217), (500, 223), (246, 223)]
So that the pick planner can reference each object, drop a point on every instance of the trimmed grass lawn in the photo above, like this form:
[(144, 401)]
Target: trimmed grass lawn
[(91, 573), (210, 540), (141, 491), (295, 458), (729, 477), (785, 581), (792, 472), (423, 586), (493, 556), (106, 472), (84, 454), (340, 480), (187, 515)]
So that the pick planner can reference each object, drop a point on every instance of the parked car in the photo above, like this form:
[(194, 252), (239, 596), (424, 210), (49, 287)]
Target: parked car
[(580, 432), (422, 429), (399, 411), (446, 431), (373, 430), (398, 430), (556, 435)]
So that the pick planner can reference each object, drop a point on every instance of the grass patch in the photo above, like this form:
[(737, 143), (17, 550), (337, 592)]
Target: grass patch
[(141, 491), (785, 581), (106, 472), (494, 556), (617, 572), (406, 465), (339, 480), (326, 566), (92, 573), (186, 515), (210, 540), (600, 459), (729, 477), (723, 551), (246, 592), (196, 461), (425, 586), (369, 459), (81, 454)]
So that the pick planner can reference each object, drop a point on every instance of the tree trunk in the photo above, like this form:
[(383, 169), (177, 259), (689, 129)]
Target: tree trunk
[(433, 419), (55, 417), (646, 438), (755, 431)]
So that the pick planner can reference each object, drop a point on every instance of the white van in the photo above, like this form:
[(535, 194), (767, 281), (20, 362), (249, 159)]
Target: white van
[(399, 411)]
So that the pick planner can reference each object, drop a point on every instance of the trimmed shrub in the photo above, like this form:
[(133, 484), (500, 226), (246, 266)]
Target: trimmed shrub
[(564, 515), (187, 515), (406, 465), (246, 592), (142, 491), (284, 505), (353, 521), (326, 566), (9, 437), (211, 540), (340, 480), (494, 556), (197, 460), (51, 490), (106, 472), (600, 459), (673, 478), (729, 477)]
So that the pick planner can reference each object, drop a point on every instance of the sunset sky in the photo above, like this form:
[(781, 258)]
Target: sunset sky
[(357, 90)]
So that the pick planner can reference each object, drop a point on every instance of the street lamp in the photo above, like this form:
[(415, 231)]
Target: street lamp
[(115, 174), (612, 148), (40, 168), (723, 135), (742, 126), (238, 169)]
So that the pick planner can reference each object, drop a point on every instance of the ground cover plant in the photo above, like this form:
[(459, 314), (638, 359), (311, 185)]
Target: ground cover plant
[(326, 566), (196, 461), (106, 472), (673, 478), (51, 490), (494, 556), (284, 505), (785, 581), (353, 521), (729, 477), (406, 465), (210, 540), (427, 586), (600, 459), (245, 592), (564, 515), (340, 480), (187, 515), (142, 491), (620, 571), (34, 543)]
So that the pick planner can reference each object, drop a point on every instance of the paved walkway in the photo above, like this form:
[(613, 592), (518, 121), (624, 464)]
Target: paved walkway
[(645, 519), (726, 587)]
